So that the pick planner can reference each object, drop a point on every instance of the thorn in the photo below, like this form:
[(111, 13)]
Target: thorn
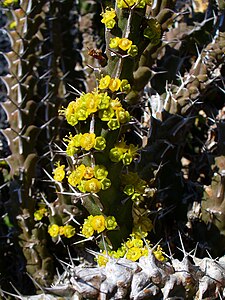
[(35, 283), (84, 240), (76, 90)]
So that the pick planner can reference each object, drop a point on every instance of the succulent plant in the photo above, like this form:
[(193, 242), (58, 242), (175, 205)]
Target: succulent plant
[(135, 159)]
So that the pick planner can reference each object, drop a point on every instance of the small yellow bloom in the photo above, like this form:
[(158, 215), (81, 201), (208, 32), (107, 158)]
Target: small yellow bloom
[(124, 44), (105, 184), (108, 15), (91, 102), (125, 86), (89, 173), (100, 143), (87, 229), (59, 172), (110, 223), (133, 51), (76, 176), (102, 259), (92, 186), (133, 253), (114, 42), (122, 115), (110, 24), (106, 114), (113, 124), (100, 172), (98, 223), (39, 214), (68, 231), (87, 141), (114, 84), (70, 113), (159, 253), (53, 230), (104, 82)]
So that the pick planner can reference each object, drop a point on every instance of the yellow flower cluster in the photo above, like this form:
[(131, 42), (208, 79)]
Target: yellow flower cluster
[(88, 179), (153, 31), (109, 110), (108, 18), (124, 44), (85, 141), (134, 186), (132, 249), (123, 152), (129, 3), (114, 84), (40, 213), (54, 230), (59, 172), (97, 224)]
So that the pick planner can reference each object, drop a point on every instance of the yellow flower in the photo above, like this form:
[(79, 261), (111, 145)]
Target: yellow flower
[(108, 18), (9, 2), (133, 51), (70, 113), (114, 42), (113, 124), (98, 223), (92, 186), (87, 229), (105, 183), (115, 155), (106, 114), (128, 189), (68, 231), (115, 104), (110, 223), (133, 253), (104, 82), (102, 259), (39, 214), (100, 143), (122, 115), (100, 172), (104, 101), (53, 230), (87, 141), (125, 86), (76, 176), (59, 172), (108, 14), (89, 173), (114, 84), (159, 253), (91, 102), (110, 23), (124, 44)]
